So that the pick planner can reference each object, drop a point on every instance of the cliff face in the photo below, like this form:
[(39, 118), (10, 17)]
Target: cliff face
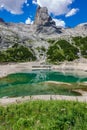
[(43, 18), (44, 23), (36, 36)]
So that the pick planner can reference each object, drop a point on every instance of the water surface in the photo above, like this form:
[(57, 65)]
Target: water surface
[(32, 83)]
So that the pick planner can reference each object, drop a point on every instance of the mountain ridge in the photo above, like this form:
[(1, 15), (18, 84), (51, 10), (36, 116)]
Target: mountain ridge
[(36, 36)]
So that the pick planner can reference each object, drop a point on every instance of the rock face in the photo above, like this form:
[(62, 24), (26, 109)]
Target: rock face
[(43, 18), (44, 23), (82, 26)]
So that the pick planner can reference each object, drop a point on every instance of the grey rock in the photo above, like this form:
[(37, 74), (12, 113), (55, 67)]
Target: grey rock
[(44, 23), (42, 17)]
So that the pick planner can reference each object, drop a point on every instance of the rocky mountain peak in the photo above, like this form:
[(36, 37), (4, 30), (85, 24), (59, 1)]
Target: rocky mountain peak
[(44, 23), (42, 17)]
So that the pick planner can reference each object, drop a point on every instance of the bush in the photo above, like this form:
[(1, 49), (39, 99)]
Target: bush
[(17, 53), (62, 50), (81, 42)]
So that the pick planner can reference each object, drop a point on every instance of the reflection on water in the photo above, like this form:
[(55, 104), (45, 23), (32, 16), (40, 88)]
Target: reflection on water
[(40, 76)]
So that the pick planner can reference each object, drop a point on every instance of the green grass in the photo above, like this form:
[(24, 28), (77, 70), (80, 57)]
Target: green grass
[(44, 115)]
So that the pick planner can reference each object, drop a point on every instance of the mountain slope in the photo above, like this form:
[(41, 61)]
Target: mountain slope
[(36, 36)]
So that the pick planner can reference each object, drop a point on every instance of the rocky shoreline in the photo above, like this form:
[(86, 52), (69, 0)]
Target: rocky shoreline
[(7, 101), (66, 67), (77, 65)]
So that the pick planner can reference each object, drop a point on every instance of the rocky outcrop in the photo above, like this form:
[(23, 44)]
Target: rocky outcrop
[(43, 18), (44, 23), (82, 26)]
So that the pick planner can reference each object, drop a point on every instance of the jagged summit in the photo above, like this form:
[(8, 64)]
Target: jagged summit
[(42, 17), (44, 23)]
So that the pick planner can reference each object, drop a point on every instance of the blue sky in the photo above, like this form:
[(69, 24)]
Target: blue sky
[(64, 12)]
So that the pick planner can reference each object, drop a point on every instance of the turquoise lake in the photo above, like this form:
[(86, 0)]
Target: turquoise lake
[(32, 83)]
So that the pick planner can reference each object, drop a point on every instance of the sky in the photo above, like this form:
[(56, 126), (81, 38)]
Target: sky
[(66, 13)]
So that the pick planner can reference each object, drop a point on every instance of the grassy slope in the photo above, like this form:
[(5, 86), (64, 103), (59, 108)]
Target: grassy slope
[(44, 115)]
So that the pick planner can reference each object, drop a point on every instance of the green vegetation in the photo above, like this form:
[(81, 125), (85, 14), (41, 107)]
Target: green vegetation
[(58, 51), (44, 115), (61, 50), (17, 53), (81, 42)]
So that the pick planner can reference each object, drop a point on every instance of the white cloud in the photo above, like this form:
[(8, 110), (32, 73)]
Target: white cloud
[(28, 21), (59, 22), (13, 6), (72, 12), (34, 2), (57, 7), (26, 2)]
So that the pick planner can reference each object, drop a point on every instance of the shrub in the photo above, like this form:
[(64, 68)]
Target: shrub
[(62, 50), (81, 42), (17, 53)]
